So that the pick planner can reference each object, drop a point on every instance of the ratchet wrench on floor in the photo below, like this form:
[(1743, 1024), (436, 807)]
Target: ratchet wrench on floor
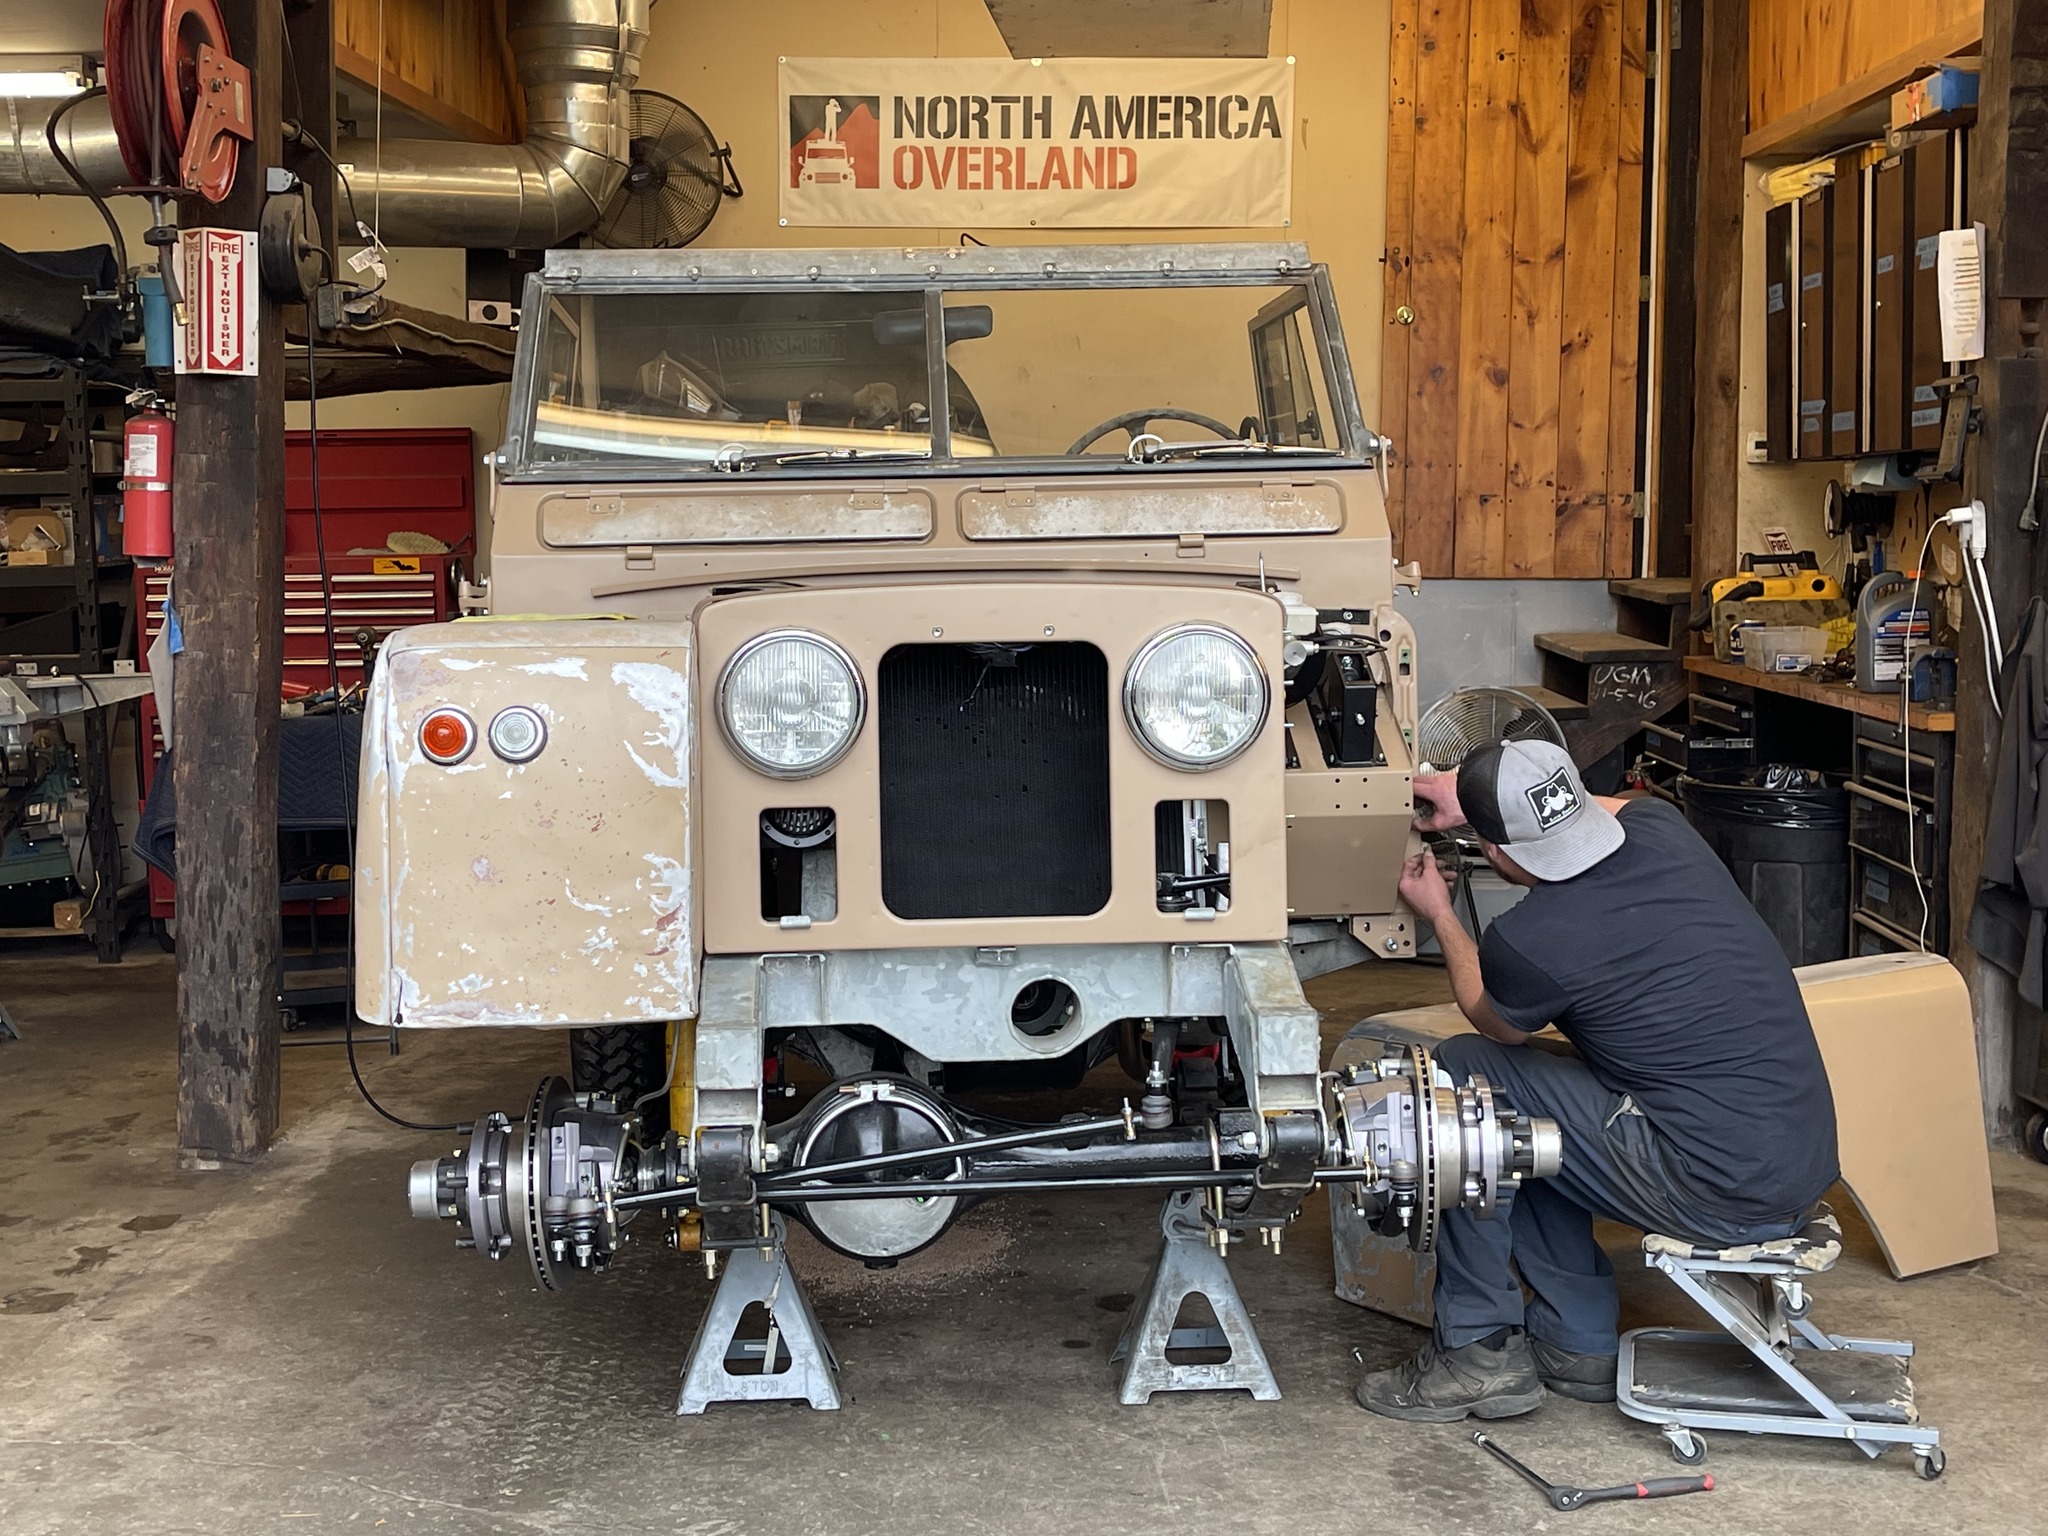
[(1567, 1498)]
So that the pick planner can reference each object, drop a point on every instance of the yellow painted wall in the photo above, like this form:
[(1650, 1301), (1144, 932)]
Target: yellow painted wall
[(721, 59)]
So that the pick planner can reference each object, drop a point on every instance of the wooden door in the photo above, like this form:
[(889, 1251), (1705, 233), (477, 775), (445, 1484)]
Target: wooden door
[(1514, 230)]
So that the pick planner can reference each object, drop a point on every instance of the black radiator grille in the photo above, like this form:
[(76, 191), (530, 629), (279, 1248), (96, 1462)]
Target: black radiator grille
[(995, 780)]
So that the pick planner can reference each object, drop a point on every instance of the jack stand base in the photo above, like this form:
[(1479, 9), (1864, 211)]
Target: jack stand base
[(764, 1276), (1187, 1265), (7, 1029)]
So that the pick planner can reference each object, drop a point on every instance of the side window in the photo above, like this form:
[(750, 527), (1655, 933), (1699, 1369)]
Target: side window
[(1292, 410)]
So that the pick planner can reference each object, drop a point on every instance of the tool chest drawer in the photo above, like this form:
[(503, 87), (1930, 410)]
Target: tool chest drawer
[(1898, 831), (1698, 752), (1731, 711), (1900, 793)]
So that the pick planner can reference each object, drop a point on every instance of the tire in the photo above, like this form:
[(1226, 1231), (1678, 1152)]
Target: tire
[(2037, 1135), (624, 1061)]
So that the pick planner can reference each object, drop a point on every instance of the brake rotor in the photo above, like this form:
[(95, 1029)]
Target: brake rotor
[(526, 1179), (1428, 1155)]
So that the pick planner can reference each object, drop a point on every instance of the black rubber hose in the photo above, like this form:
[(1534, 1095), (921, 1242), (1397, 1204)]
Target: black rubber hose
[(50, 136)]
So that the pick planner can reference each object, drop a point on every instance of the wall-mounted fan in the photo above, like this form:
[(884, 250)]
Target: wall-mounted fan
[(1466, 719), (677, 176)]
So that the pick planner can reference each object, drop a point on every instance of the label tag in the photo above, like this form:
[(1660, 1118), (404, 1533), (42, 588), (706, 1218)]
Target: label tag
[(142, 456), (219, 272), (396, 565)]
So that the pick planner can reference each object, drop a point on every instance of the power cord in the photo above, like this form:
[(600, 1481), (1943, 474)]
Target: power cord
[(348, 1019)]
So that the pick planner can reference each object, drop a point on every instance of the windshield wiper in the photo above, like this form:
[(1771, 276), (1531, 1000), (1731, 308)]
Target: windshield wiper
[(734, 459), (1145, 450)]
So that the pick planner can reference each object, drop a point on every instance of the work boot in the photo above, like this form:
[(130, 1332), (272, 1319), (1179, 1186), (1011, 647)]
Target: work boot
[(1588, 1378), (1442, 1386)]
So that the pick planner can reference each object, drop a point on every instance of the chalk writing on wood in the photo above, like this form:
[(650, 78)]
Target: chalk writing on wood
[(1635, 685)]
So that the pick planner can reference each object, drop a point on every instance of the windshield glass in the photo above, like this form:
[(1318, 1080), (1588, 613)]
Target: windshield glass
[(710, 381)]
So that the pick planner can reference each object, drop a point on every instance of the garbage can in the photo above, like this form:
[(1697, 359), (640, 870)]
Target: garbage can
[(1784, 835)]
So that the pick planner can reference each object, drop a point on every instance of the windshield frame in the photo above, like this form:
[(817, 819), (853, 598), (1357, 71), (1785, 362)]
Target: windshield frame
[(938, 273)]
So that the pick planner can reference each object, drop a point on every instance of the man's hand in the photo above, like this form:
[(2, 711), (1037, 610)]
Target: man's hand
[(1427, 890), (1436, 803)]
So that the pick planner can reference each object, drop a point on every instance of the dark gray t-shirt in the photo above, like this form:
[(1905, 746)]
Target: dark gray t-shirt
[(1674, 992)]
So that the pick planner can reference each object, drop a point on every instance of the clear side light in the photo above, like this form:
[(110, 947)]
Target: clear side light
[(1195, 696), (517, 734), (791, 703)]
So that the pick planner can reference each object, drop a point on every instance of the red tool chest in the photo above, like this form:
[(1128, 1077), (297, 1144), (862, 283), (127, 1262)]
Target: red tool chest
[(373, 483)]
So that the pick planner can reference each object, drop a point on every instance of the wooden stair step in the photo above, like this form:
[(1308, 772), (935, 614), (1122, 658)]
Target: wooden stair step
[(1562, 707), (1597, 646), (1665, 591)]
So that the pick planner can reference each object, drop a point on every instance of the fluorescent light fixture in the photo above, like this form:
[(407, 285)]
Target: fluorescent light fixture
[(44, 74)]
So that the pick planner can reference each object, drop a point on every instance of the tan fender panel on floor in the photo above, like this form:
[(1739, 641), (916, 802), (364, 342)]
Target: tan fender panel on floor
[(556, 891)]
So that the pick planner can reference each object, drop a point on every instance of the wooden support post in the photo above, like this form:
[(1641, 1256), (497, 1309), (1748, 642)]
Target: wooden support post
[(1680, 55), (1717, 353), (228, 485), (2008, 187)]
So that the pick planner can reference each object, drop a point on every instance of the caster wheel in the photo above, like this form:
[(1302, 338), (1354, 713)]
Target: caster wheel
[(166, 937), (1689, 1452), (2037, 1135), (1930, 1464)]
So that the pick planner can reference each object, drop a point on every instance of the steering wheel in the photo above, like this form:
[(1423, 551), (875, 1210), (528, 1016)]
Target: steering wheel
[(1135, 422)]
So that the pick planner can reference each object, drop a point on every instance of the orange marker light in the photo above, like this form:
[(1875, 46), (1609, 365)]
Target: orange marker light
[(446, 736)]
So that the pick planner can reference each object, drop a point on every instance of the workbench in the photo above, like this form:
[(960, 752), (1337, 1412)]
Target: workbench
[(1898, 772), (1796, 685)]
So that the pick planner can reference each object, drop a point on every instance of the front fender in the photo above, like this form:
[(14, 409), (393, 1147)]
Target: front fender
[(558, 891)]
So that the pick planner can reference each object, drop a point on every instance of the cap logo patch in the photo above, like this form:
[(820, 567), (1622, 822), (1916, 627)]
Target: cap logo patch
[(1554, 800)]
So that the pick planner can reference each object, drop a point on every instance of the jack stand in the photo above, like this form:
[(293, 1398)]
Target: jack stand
[(1187, 1265), (7, 1029), (764, 1276)]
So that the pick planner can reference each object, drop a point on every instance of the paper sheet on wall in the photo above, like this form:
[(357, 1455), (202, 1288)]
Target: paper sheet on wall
[(1960, 268)]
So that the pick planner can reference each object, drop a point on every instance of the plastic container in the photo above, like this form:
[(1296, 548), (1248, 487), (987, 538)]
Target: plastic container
[(1784, 647), (1890, 625), (1788, 849)]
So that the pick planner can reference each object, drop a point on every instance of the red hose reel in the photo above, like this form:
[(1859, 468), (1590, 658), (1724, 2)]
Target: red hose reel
[(180, 102)]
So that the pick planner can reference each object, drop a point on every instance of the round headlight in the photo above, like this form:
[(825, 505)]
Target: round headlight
[(790, 703), (1195, 696)]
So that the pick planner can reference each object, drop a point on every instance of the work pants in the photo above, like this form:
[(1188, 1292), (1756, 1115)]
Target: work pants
[(1615, 1165)]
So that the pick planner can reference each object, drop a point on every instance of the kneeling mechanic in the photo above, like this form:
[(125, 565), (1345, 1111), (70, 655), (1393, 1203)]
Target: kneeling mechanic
[(1697, 1106)]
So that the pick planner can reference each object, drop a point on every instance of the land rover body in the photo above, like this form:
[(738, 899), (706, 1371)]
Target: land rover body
[(947, 668)]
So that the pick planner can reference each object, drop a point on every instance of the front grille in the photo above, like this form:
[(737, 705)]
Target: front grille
[(995, 780)]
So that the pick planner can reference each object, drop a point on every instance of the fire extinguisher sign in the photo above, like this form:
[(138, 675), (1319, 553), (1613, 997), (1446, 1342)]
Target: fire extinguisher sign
[(218, 273)]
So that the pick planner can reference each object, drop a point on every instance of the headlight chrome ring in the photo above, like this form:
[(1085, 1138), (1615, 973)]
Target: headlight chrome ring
[(815, 715), (1224, 729)]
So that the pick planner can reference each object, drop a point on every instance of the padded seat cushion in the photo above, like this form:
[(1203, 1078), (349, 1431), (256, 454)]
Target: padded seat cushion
[(1813, 1248)]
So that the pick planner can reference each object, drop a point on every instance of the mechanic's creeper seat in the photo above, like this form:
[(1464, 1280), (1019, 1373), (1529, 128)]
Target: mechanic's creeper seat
[(1769, 1370)]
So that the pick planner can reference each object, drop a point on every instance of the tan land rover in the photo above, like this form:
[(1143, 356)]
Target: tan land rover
[(950, 668)]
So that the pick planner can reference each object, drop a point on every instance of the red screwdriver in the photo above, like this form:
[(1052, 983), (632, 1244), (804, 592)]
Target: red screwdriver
[(1564, 1498)]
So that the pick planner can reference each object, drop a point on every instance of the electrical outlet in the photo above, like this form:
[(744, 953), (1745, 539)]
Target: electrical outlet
[(1758, 449)]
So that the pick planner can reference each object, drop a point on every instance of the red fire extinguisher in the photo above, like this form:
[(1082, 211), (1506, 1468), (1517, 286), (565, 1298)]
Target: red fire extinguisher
[(146, 484)]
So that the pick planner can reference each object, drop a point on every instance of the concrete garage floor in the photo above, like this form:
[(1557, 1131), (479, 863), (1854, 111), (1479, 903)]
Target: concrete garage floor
[(282, 1348)]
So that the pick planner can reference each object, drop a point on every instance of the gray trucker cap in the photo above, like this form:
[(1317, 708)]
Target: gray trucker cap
[(1527, 799)]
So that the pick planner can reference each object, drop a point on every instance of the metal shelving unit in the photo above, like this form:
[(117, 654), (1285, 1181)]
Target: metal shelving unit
[(77, 617)]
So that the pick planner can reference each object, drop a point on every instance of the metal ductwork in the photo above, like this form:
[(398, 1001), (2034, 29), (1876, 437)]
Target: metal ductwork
[(577, 60)]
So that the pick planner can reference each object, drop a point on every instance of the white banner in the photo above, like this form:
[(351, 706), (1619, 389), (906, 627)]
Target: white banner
[(1063, 143)]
